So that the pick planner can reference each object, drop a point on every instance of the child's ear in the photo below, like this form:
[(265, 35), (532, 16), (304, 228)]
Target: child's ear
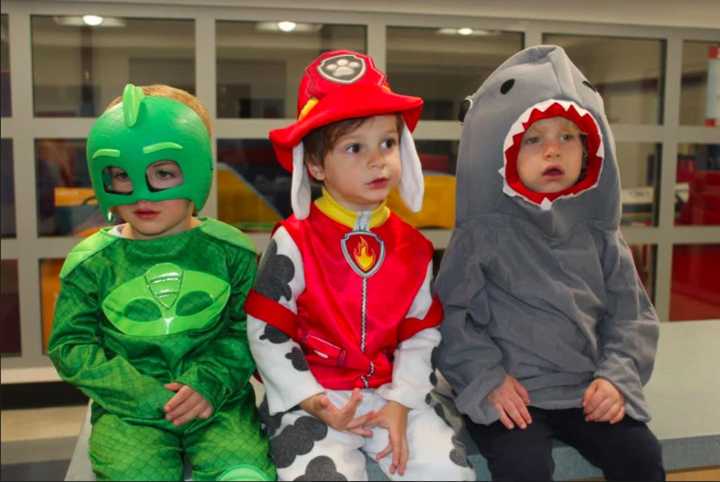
[(316, 170)]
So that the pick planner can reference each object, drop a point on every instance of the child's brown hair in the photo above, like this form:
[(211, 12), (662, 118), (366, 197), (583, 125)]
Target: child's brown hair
[(321, 140), (180, 95)]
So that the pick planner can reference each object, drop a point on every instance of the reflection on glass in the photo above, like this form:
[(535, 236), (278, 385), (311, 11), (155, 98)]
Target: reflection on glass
[(253, 189), (695, 294), (5, 107), (79, 69), (49, 291), (9, 308), (699, 102), (697, 195), (66, 203), (444, 65), (7, 190), (644, 257), (628, 73), (259, 64), (639, 165), (438, 160)]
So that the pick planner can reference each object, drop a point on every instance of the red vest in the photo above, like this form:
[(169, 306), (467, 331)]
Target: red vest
[(349, 332)]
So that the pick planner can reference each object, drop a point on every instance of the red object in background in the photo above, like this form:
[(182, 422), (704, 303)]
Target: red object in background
[(703, 204), (695, 282)]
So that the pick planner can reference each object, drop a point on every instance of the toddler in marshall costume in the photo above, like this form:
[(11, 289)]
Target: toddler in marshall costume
[(341, 320), (150, 322)]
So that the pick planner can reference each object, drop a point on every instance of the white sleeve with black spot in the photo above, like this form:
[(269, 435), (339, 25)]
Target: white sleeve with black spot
[(285, 385), (412, 366)]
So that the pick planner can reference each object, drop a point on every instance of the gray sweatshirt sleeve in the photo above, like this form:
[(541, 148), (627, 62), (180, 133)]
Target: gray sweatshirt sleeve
[(467, 356), (628, 334)]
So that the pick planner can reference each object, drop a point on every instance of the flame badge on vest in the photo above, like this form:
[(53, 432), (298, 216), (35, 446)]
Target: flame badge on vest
[(364, 252)]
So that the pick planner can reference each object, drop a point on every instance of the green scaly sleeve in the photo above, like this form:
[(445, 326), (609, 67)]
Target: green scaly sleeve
[(224, 367), (75, 350)]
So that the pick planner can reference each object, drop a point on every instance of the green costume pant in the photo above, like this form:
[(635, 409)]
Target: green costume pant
[(230, 446)]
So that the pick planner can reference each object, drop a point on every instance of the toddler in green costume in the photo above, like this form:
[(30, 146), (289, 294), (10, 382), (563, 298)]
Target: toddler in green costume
[(150, 321)]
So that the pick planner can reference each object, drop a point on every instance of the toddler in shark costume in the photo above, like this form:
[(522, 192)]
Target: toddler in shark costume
[(548, 331), (150, 322)]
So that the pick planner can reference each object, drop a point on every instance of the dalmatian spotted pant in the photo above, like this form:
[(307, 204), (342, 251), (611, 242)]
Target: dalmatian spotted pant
[(304, 448)]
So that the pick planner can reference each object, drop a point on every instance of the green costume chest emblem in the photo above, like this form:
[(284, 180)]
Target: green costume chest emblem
[(166, 300)]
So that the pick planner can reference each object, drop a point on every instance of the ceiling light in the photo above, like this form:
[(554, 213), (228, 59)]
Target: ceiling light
[(465, 31), (287, 26), (86, 20), (92, 20)]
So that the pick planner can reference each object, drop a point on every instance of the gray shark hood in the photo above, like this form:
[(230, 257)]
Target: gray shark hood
[(541, 287), (533, 84)]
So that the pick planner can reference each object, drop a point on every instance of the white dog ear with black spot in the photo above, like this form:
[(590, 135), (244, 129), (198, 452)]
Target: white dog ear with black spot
[(412, 182)]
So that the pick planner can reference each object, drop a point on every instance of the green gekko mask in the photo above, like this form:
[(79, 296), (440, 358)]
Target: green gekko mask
[(140, 131), (166, 300)]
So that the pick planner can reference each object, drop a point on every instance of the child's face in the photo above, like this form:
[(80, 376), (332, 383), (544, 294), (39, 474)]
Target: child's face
[(550, 157), (148, 219), (364, 165)]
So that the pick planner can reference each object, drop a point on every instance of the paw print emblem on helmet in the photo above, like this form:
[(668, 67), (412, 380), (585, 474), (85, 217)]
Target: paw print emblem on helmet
[(345, 68)]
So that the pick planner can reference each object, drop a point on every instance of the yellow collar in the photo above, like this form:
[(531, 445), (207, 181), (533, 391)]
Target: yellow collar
[(332, 209)]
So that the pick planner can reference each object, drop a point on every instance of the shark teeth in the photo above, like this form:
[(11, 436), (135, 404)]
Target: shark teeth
[(518, 127)]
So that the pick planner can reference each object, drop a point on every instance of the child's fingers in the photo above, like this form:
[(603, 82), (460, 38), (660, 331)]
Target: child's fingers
[(207, 413), (384, 453), (504, 419), (620, 415), (522, 391), (589, 393), (188, 416), (404, 455), (174, 386), (513, 409), (524, 412), (183, 394), (193, 401), (600, 410)]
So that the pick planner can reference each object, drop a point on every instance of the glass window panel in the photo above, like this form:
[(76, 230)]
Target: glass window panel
[(253, 189), (644, 256), (49, 291), (66, 204), (259, 65), (695, 294), (438, 159), (628, 73), (697, 192), (5, 104), (9, 309), (639, 174), (700, 94), (7, 190), (78, 69), (443, 66)]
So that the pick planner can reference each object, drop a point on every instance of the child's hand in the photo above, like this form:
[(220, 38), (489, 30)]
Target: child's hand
[(393, 418), (603, 402), (511, 400), (186, 405), (343, 418)]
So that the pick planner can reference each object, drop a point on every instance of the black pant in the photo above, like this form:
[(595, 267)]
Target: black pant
[(627, 450)]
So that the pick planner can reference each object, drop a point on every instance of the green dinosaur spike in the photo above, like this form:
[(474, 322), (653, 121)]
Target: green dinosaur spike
[(132, 98)]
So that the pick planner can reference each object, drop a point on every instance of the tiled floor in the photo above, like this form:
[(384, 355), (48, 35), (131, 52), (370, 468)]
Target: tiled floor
[(37, 444)]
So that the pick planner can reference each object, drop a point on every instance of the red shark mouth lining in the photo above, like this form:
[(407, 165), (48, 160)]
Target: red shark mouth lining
[(593, 143)]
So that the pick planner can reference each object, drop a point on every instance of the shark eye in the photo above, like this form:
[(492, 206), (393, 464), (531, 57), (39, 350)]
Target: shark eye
[(589, 85), (464, 108), (507, 85)]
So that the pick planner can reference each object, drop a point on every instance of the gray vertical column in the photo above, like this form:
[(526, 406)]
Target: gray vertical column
[(21, 80), (206, 88), (666, 216)]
